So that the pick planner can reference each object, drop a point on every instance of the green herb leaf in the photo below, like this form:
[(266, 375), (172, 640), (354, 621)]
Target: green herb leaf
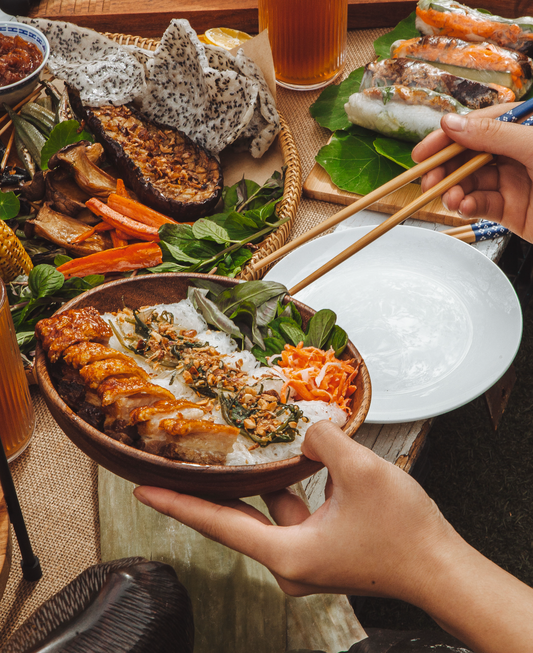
[(397, 151), (319, 328), (182, 236), (292, 332), (273, 346), (267, 311), (44, 280), (234, 262), (215, 289), (209, 230), (338, 339), (176, 253), (328, 110), (247, 313), (257, 292), (213, 315), (405, 29), (353, 164), (9, 205), (60, 259), (65, 133), (25, 338)]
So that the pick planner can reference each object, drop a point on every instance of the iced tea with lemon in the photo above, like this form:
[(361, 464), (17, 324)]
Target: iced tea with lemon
[(308, 40)]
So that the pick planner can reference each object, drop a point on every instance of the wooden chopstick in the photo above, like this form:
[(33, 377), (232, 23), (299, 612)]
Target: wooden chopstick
[(451, 180), (8, 151), (405, 178)]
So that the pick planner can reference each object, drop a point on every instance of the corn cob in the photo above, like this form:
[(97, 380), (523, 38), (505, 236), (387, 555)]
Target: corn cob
[(13, 257)]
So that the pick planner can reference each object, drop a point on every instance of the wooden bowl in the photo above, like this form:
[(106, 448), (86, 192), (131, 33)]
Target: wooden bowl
[(148, 469)]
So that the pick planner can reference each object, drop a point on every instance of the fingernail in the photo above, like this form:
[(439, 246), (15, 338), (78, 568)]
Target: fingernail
[(139, 495), (444, 203), (455, 122)]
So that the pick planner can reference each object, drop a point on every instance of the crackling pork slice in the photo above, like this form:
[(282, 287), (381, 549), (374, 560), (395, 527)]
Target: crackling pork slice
[(95, 373), (67, 328), (148, 418), (119, 396), (84, 353), (196, 441)]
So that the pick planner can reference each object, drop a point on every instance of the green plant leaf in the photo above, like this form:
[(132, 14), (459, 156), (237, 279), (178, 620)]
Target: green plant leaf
[(212, 314), (9, 205), (292, 332), (176, 253), (45, 280), (338, 339), (65, 133), (397, 151), (273, 346), (328, 110), (208, 230), (234, 262), (247, 313), (353, 164), (405, 29), (61, 258), (319, 328), (257, 292)]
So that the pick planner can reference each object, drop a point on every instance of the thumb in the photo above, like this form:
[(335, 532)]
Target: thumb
[(489, 135)]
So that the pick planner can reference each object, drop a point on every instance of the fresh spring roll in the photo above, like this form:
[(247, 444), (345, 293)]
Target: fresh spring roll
[(449, 18), (409, 114), (483, 62), (417, 74)]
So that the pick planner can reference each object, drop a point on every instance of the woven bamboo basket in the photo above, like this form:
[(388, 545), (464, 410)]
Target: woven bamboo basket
[(292, 190)]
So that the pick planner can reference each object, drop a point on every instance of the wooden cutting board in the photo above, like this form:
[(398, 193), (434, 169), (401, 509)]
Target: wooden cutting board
[(151, 17), (319, 186)]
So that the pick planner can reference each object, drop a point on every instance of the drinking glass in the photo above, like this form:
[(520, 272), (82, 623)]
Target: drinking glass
[(308, 40), (16, 409)]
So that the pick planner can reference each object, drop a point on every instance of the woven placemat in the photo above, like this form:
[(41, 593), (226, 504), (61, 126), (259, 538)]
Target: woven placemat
[(56, 483)]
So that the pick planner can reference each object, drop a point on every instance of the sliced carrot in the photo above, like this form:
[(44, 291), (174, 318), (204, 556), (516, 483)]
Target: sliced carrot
[(137, 211), (303, 365), (101, 226), (121, 189), (121, 259), (118, 238), (136, 230)]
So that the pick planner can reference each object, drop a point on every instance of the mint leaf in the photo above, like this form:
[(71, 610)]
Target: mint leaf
[(44, 280), (9, 205)]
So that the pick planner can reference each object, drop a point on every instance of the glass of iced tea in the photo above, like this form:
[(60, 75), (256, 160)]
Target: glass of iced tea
[(16, 410), (308, 40)]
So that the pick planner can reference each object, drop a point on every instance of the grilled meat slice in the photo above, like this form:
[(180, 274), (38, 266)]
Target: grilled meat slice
[(84, 353), (163, 166), (148, 418), (60, 331), (97, 372), (195, 441)]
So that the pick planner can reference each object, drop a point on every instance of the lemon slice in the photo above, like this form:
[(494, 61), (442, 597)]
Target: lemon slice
[(226, 37), (202, 39)]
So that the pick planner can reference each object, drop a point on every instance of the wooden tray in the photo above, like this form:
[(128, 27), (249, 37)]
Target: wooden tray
[(151, 17), (319, 186)]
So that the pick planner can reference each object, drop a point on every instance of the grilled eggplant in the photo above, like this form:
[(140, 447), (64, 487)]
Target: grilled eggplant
[(163, 166)]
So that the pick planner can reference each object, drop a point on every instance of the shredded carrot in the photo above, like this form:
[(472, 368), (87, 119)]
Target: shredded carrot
[(317, 375)]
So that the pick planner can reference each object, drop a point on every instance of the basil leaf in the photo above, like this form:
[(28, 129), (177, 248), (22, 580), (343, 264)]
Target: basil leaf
[(65, 133), (292, 332), (273, 346), (338, 339), (247, 312), (213, 315), (177, 253), (60, 259), (267, 311), (210, 230), (9, 205), (257, 292), (182, 236), (168, 266), (397, 151), (44, 280), (353, 164), (234, 195), (328, 110), (214, 288), (319, 328), (234, 262), (240, 226), (405, 29)]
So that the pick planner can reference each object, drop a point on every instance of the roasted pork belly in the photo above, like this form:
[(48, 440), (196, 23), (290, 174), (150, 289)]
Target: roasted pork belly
[(84, 353), (95, 373), (148, 418), (60, 331), (194, 440)]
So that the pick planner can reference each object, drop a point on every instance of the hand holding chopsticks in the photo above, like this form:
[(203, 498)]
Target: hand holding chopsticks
[(439, 189)]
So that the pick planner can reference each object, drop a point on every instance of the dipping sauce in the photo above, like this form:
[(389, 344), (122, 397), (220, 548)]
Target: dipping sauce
[(18, 59)]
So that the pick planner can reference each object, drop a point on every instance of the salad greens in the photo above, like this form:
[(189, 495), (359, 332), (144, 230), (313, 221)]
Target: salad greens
[(64, 133), (224, 242), (253, 312)]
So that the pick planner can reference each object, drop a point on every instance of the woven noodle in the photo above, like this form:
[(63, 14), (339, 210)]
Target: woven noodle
[(292, 190)]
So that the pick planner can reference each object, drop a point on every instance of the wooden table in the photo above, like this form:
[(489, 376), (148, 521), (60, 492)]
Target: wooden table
[(151, 17)]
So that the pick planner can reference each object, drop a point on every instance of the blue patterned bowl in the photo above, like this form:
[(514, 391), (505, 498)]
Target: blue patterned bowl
[(13, 93)]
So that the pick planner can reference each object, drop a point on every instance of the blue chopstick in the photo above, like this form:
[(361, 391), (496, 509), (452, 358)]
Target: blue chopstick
[(513, 115)]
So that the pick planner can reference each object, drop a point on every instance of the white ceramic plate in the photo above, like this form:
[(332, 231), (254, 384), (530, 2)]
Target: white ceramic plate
[(435, 320)]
